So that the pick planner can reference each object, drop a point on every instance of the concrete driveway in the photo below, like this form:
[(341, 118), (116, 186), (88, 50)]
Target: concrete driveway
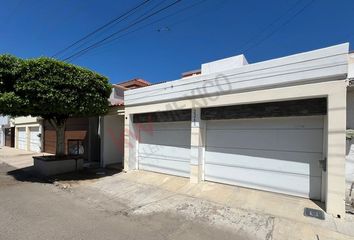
[(143, 205), (250, 213)]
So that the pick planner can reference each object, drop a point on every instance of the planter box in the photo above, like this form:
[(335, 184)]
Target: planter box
[(48, 165)]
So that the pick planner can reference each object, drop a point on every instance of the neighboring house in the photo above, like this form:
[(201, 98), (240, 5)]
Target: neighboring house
[(277, 125), (81, 138), (4, 124), (112, 124), (28, 133), (134, 83), (97, 139)]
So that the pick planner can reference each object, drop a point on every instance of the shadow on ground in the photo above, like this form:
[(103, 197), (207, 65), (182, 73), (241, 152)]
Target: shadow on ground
[(28, 174), (322, 205)]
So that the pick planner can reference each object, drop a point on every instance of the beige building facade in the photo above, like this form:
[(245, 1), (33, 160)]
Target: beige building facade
[(278, 125)]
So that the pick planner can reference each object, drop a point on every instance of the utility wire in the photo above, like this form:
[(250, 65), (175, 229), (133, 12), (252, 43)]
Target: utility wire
[(220, 3), (109, 42), (147, 12), (281, 26), (156, 21), (95, 45), (266, 28), (114, 24), (102, 27)]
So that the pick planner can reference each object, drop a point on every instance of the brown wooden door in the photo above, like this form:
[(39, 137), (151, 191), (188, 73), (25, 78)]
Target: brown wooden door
[(76, 129), (10, 137)]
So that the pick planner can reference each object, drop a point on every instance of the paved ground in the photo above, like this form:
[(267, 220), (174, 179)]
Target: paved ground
[(31, 210), (141, 205)]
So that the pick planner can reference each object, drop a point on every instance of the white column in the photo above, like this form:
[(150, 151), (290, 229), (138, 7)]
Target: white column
[(197, 146), (41, 132), (101, 128), (28, 138), (130, 143), (335, 194)]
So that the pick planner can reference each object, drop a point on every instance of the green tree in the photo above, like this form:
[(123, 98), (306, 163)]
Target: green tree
[(53, 90)]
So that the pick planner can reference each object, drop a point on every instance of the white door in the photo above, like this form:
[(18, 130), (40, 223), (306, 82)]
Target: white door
[(22, 138), (165, 148), (273, 154), (35, 140)]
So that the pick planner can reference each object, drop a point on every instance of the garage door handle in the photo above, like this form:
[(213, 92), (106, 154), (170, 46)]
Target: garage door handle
[(323, 164)]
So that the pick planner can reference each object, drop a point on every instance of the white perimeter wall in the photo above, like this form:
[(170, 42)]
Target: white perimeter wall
[(2, 136), (112, 139), (349, 167)]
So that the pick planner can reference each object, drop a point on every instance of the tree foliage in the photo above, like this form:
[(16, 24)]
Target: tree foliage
[(9, 72), (51, 89), (10, 68)]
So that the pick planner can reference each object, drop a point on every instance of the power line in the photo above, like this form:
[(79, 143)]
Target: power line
[(114, 24), (102, 27), (265, 29), (156, 21), (281, 26), (95, 45), (147, 25), (220, 3)]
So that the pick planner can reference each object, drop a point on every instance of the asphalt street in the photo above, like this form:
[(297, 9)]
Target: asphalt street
[(31, 209)]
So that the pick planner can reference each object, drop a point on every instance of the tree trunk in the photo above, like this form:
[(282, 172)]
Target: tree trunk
[(59, 126), (60, 147)]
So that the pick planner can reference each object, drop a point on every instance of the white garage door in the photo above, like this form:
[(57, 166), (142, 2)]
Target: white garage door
[(35, 140), (165, 148), (273, 154), (22, 138)]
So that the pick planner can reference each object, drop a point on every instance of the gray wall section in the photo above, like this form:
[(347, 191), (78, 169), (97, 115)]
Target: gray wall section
[(4, 121), (94, 140)]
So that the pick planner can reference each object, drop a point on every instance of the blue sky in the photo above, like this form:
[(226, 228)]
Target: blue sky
[(211, 30)]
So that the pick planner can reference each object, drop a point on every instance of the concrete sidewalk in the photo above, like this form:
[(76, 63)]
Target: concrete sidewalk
[(236, 208), (17, 158)]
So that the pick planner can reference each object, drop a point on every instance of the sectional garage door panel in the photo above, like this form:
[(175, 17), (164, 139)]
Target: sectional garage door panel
[(273, 154), (165, 148), (267, 180), (169, 160), (22, 138), (35, 140), (286, 162)]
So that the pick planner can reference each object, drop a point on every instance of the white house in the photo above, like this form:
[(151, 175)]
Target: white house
[(278, 125), (112, 129), (28, 133), (112, 124)]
